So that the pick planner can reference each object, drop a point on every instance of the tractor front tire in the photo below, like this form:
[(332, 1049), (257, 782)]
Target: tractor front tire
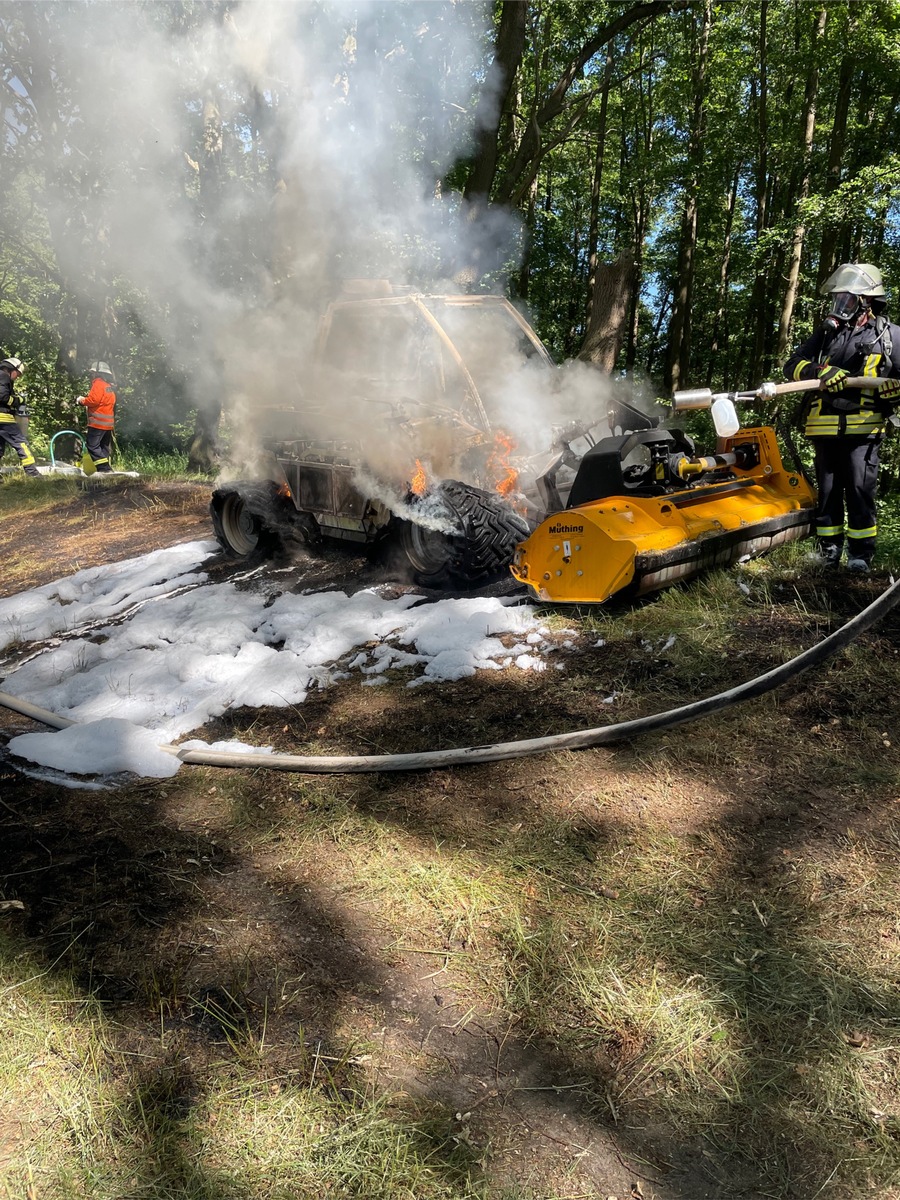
[(482, 532)]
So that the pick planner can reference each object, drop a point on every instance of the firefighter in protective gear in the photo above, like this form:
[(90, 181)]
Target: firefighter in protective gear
[(846, 426), (11, 406), (100, 403)]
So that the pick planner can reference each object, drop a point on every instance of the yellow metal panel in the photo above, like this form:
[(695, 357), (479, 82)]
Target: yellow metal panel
[(587, 554)]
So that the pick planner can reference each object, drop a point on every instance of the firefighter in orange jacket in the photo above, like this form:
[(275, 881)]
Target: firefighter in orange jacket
[(100, 403)]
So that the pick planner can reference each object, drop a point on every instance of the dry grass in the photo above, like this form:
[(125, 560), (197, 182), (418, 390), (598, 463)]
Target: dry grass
[(672, 962)]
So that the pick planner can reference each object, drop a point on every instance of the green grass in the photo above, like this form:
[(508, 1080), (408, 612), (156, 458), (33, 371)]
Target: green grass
[(679, 990), (151, 463), (19, 494), (96, 1118), (695, 934), (691, 997), (889, 531)]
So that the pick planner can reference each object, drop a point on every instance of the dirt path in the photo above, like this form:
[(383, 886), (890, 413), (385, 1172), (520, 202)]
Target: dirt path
[(106, 522)]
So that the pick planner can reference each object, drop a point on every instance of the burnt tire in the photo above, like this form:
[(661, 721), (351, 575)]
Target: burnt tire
[(485, 534), (249, 519)]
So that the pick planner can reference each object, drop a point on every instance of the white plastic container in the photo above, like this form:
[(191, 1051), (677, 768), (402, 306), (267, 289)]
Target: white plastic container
[(724, 417)]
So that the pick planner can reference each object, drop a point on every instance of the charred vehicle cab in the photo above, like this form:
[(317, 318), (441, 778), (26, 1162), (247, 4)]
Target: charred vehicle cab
[(400, 437)]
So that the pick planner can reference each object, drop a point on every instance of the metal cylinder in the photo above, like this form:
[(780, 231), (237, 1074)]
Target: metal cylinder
[(691, 398), (709, 462)]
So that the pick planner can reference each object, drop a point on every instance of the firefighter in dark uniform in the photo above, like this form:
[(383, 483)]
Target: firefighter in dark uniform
[(844, 425), (11, 406)]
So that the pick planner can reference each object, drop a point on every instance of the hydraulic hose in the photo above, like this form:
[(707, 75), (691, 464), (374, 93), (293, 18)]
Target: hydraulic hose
[(604, 735)]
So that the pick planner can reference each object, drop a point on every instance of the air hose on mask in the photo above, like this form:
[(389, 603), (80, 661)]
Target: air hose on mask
[(604, 735)]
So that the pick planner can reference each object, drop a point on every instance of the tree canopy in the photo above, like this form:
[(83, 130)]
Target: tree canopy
[(664, 185)]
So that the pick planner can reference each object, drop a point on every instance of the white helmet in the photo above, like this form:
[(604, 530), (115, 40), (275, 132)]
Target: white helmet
[(13, 364), (103, 369), (853, 287), (862, 279)]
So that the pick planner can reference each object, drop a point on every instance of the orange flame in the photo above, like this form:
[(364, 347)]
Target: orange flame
[(418, 483), (498, 464)]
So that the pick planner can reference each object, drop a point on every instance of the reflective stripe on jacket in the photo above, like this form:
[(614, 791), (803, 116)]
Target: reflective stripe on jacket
[(859, 350), (100, 403), (868, 419)]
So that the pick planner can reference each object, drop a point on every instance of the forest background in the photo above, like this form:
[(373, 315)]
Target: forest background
[(666, 968), (662, 186)]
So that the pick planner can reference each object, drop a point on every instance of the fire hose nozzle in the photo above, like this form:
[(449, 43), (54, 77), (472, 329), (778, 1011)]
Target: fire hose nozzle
[(725, 419), (694, 398)]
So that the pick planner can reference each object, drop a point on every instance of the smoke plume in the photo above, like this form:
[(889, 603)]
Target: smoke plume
[(248, 162)]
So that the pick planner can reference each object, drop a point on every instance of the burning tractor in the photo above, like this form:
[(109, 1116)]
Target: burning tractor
[(400, 440), (411, 436)]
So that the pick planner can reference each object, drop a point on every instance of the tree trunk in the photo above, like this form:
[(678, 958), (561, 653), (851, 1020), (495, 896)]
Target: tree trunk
[(524, 273), (203, 449), (639, 191), (796, 251), (678, 357), (719, 333), (595, 189), (758, 307), (641, 209), (832, 233), (609, 314), (492, 103)]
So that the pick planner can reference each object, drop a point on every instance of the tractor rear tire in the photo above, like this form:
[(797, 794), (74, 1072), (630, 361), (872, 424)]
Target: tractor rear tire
[(249, 519), (486, 531)]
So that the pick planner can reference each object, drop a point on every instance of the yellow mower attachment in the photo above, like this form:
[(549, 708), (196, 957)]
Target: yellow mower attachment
[(645, 526)]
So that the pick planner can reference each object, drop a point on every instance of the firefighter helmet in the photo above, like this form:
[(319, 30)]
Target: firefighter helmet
[(13, 364), (104, 370), (861, 279)]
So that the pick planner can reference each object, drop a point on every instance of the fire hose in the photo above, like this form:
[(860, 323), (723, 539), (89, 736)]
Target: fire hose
[(577, 739), (603, 735)]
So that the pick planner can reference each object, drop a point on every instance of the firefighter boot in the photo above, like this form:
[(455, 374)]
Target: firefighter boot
[(860, 566), (827, 554)]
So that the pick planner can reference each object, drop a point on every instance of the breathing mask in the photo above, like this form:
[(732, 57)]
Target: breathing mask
[(846, 286), (844, 307)]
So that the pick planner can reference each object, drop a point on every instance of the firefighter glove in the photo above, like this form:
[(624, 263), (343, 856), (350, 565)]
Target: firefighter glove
[(890, 391), (831, 379)]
